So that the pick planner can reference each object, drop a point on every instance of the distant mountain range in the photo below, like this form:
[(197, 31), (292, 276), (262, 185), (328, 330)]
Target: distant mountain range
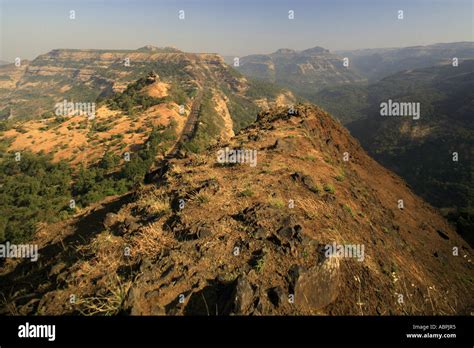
[(304, 72), (32, 90), (229, 100), (375, 64), (320, 75)]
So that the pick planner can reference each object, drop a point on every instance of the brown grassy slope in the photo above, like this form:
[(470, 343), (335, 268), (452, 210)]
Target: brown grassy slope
[(188, 253), (74, 141)]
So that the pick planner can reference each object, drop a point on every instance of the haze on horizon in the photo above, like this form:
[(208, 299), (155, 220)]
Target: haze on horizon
[(29, 28)]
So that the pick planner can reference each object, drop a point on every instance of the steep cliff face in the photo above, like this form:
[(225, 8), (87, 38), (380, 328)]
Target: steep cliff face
[(434, 152), (97, 77), (290, 216), (31, 90), (304, 72)]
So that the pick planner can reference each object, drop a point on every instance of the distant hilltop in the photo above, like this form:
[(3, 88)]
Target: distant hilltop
[(151, 48)]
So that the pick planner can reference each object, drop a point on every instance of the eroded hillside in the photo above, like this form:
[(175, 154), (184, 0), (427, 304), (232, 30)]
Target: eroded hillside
[(159, 87), (304, 72), (31, 89)]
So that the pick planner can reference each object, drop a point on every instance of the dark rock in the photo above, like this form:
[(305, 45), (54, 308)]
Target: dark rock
[(442, 234), (128, 226), (203, 232), (282, 145), (111, 219), (242, 296), (255, 217), (296, 176), (286, 232), (212, 184), (289, 234), (329, 198), (181, 154), (150, 295), (319, 286), (143, 302), (167, 271), (306, 180), (293, 275), (196, 231), (276, 296), (260, 233)]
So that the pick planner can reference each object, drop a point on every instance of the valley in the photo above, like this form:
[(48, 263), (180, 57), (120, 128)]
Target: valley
[(420, 149)]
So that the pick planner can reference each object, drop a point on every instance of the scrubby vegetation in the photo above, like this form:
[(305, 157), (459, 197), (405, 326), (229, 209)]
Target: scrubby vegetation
[(262, 89), (133, 99), (134, 170), (355, 103), (209, 128), (34, 189)]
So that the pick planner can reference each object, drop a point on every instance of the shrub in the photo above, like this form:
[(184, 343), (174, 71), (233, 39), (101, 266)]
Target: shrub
[(32, 190), (329, 188)]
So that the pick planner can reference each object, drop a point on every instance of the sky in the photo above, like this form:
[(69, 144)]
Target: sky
[(229, 27)]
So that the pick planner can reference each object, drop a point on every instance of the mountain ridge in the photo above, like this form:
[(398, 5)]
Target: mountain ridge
[(257, 250)]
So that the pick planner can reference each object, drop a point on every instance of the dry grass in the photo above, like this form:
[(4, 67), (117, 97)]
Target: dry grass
[(9, 305), (109, 304), (276, 202), (66, 138), (150, 241), (153, 203), (201, 198), (310, 207)]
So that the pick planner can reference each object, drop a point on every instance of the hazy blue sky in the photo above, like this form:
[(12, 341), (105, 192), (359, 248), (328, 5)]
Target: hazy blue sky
[(230, 27)]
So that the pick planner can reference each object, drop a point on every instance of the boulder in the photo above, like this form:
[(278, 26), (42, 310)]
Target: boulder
[(318, 286), (111, 219), (276, 296), (242, 296)]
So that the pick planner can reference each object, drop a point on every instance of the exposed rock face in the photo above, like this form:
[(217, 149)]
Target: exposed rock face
[(242, 296), (302, 71), (37, 85), (220, 102), (319, 286)]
